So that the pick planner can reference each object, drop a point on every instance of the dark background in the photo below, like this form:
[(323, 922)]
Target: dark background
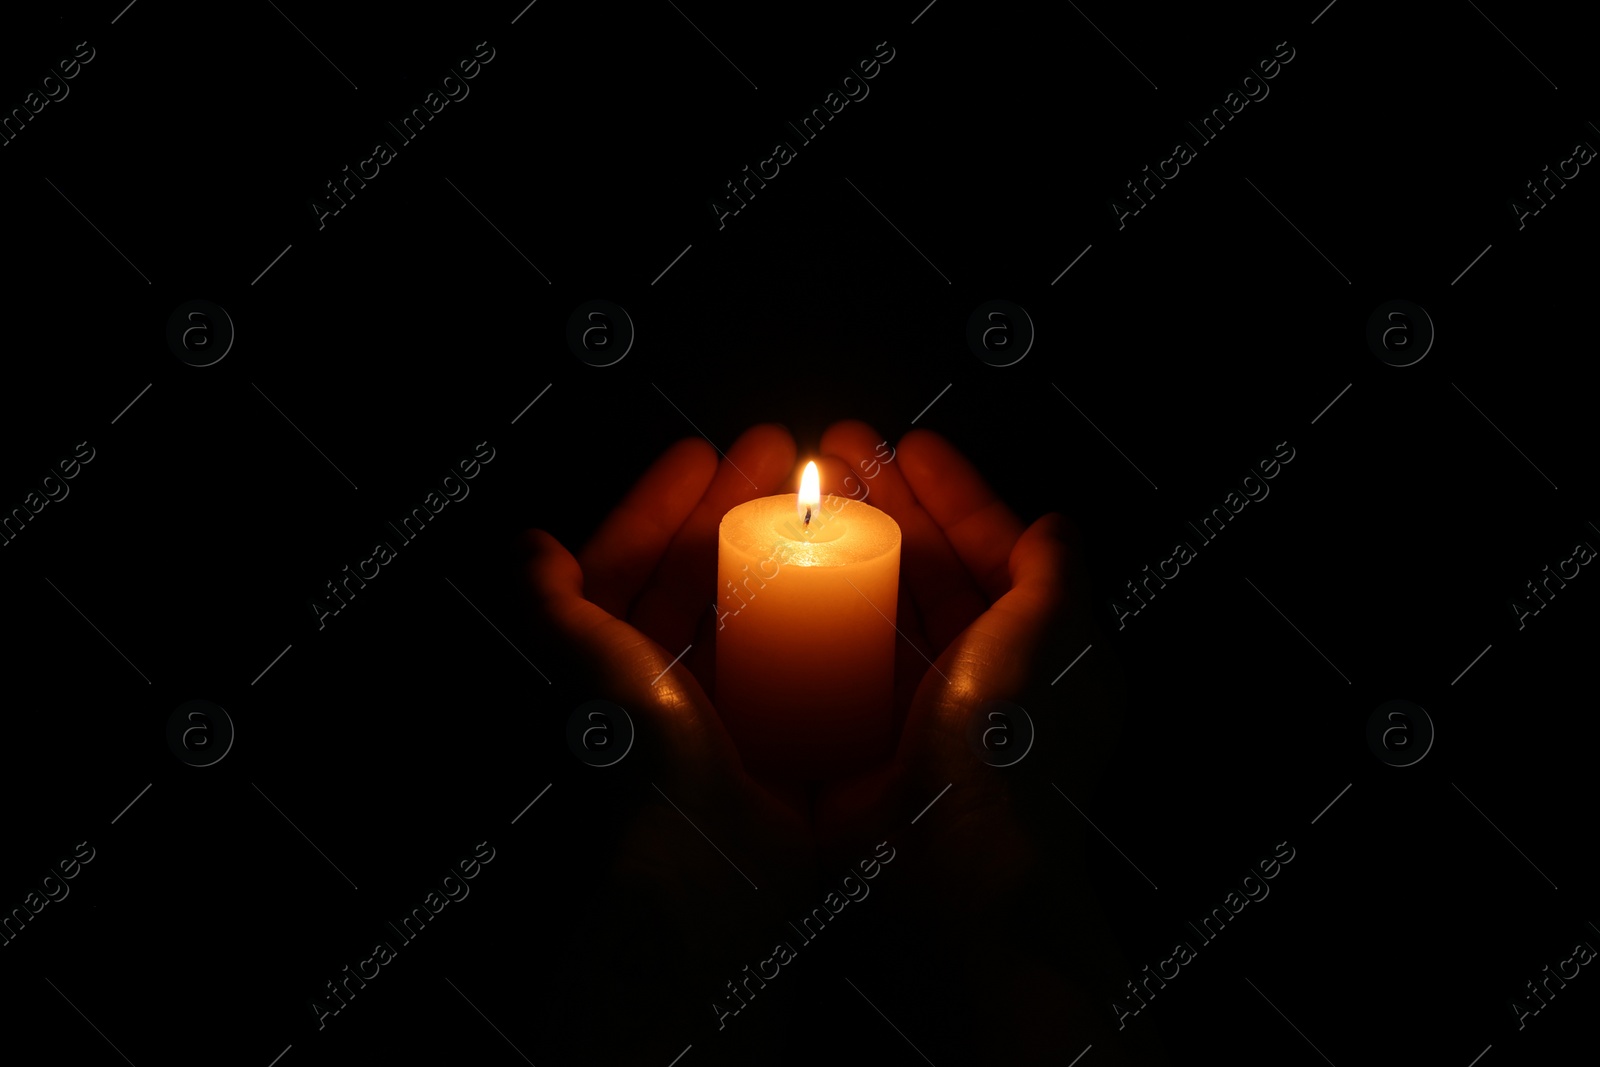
[(408, 330)]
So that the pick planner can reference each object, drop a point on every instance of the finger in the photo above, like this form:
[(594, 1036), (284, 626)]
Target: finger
[(946, 596), (759, 463), (1023, 647), (615, 661), (994, 659), (629, 544), (1039, 569), (978, 525), (601, 640)]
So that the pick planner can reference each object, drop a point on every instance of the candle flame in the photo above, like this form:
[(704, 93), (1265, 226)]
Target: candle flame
[(810, 493)]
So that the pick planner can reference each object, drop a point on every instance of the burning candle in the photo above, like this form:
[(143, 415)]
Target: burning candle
[(806, 596)]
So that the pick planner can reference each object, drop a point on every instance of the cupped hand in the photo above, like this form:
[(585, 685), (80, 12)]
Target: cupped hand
[(988, 606), (708, 862), (991, 613)]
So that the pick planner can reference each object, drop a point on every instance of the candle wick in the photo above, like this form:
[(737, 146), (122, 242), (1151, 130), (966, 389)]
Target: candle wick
[(808, 516)]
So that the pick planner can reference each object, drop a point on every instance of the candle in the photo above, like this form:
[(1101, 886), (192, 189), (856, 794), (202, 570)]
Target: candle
[(806, 596)]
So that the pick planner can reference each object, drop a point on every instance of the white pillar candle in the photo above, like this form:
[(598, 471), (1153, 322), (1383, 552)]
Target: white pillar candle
[(806, 632)]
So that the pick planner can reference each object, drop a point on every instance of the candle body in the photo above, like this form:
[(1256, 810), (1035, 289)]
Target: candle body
[(806, 635)]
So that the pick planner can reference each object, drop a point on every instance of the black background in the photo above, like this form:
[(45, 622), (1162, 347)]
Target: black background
[(407, 330)]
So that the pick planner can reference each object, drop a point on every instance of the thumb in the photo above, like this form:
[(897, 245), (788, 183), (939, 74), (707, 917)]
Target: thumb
[(611, 660)]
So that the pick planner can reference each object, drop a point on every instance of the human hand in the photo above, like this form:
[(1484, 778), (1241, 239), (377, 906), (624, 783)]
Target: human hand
[(995, 900), (682, 916)]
